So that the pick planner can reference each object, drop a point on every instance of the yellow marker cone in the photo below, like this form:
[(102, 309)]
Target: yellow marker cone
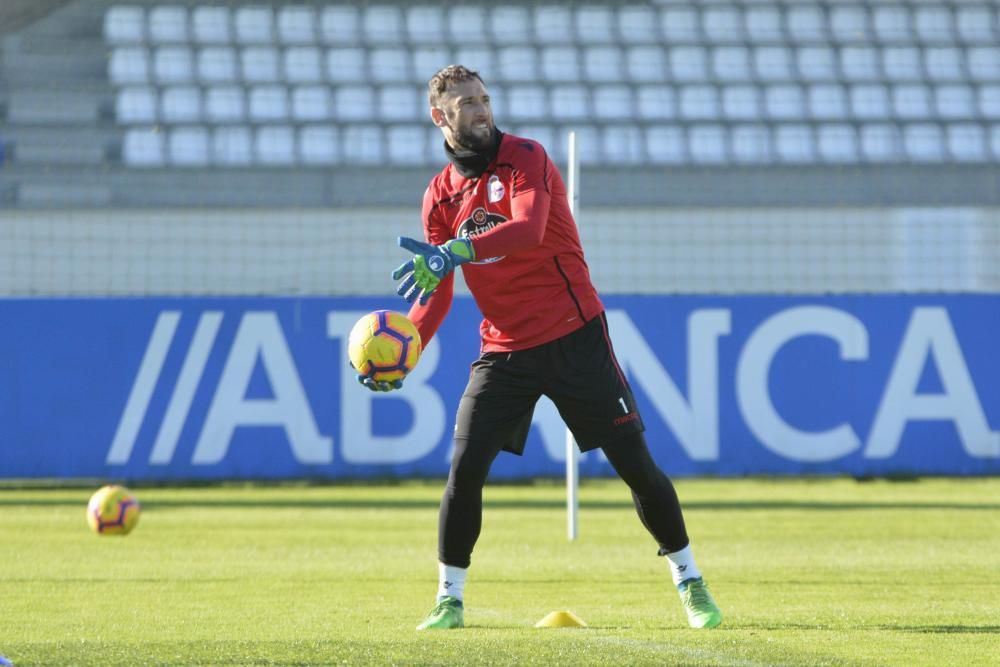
[(561, 619)]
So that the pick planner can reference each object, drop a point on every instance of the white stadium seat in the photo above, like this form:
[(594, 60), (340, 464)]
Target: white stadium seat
[(880, 143), (569, 102), (594, 24), (211, 25), (837, 143), (467, 25), (181, 104), (546, 136), (319, 145), (688, 63), (311, 103), (128, 64), (603, 64), (943, 63), (699, 103), (434, 147), (955, 102), (646, 64), (731, 64), (655, 102), (302, 64), (933, 24), (274, 145), (406, 144), (859, 63), (967, 142), (817, 63), (722, 24), (989, 102), (268, 103), (225, 104), (826, 101), (794, 144), (297, 24), (995, 141), (763, 23), (622, 144), (510, 25), (772, 63), (707, 144), (741, 102), (552, 24), (232, 145), (136, 105), (666, 144), (750, 144), (254, 24), (806, 24), (560, 64), (340, 25), (390, 65), (984, 63), (517, 63), (216, 64), (399, 102), (902, 63), (784, 102), (354, 102), (168, 24), (383, 24), (188, 146), (481, 59), (891, 23), (849, 23), (975, 24), (362, 144), (143, 147), (427, 60), (588, 142), (425, 24), (613, 102), (527, 103), (679, 24), (870, 102), (125, 24), (346, 65), (173, 64), (923, 142), (638, 24), (911, 102), (260, 64)]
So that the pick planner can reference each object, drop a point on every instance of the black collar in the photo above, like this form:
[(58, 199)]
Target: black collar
[(472, 164)]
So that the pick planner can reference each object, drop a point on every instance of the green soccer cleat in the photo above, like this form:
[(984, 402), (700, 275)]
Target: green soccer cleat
[(446, 615), (698, 603)]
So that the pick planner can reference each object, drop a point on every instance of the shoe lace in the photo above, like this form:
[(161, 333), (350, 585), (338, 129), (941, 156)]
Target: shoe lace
[(698, 596), (442, 607)]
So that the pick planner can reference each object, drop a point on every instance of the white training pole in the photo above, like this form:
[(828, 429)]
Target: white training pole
[(572, 454)]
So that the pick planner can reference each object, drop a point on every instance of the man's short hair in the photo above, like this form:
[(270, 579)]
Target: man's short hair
[(449, 76)]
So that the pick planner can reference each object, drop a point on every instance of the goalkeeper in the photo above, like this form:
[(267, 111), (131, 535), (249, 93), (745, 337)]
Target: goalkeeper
[(499, 210)]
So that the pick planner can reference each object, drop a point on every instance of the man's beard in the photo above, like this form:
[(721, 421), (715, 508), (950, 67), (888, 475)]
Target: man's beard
[(466, 138)]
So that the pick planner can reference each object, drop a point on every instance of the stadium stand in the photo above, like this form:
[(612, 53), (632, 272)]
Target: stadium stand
[(725, 85)]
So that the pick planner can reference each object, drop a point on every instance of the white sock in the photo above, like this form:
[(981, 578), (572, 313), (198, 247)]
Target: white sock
[(451, 581), (682, 565)]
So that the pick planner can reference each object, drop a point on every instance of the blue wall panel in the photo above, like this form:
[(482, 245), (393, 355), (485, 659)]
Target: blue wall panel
[(204, 388)]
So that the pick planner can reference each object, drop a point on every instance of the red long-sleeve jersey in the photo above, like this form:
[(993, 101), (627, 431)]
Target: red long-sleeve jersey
[(530, 279)]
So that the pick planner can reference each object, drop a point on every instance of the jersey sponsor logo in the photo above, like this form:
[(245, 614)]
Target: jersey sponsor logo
[(494, 188), (480, 222)]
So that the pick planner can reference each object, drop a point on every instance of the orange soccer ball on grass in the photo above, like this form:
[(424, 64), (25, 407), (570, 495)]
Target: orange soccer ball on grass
[(384, 346)]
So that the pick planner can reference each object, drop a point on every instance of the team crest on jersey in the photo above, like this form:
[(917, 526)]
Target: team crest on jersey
[(479, 222), (494, 189)]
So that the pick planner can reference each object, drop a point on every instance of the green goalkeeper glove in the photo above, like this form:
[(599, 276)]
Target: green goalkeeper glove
[(429, 265)]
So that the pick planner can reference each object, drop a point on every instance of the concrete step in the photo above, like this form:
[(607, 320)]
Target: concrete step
[(53, 61), (60, 145), (62, 194), (53, 107)]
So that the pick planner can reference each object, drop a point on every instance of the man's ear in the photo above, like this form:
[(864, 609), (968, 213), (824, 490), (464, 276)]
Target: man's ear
[(437, 116)]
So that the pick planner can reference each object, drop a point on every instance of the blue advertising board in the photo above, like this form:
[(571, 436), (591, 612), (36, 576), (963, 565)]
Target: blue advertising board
[(259, 388)]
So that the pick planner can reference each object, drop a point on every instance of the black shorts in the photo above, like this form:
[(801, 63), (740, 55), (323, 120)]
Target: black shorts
[(578, 372)]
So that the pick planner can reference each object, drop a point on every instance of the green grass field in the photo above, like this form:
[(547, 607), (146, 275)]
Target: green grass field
[(808, 572)]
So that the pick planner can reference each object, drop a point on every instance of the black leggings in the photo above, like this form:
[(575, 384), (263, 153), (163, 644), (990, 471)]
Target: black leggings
[(461, 517)]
